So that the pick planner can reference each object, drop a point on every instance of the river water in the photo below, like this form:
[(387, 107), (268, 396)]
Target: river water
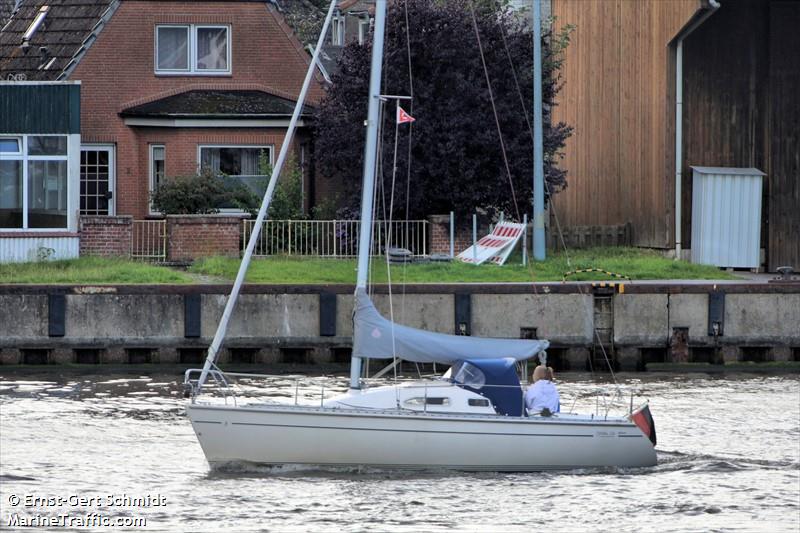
[(86, 450)]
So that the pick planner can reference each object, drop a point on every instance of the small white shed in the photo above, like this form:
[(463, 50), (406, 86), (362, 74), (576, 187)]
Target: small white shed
[(726, 216)]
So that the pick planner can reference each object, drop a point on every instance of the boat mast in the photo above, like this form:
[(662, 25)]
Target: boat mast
[(262, 212), (538, 149), (370, 158)]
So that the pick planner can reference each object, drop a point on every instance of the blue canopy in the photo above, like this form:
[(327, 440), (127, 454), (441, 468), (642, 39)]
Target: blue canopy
[(495, 379)]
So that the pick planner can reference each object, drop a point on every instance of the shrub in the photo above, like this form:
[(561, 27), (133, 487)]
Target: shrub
[(200, 194)]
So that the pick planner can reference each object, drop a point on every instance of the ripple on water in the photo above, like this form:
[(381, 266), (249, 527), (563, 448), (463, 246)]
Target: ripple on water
[(116, 434)]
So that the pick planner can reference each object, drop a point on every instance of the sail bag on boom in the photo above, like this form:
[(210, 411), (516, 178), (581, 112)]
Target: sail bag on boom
[(375, 337)]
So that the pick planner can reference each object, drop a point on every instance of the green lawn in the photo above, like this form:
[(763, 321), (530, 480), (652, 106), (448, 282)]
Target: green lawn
[(635, 263), (90, 270)]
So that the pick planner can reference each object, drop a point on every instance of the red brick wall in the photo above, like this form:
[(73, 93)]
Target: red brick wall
[(118, 72), (105, 236), (440, 235), (192, 236)]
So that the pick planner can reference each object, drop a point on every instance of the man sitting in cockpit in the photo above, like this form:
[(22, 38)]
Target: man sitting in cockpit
[(542, 397)]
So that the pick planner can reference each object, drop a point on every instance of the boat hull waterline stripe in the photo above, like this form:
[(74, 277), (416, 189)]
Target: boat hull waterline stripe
[(405, 430)]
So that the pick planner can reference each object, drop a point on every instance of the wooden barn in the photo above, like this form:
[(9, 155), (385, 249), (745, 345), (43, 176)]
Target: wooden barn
[(726, 71)]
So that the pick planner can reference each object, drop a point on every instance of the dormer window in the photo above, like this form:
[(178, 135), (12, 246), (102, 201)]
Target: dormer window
[(193, 49)]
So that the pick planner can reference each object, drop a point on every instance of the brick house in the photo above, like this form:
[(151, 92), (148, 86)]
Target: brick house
[(167, 87)]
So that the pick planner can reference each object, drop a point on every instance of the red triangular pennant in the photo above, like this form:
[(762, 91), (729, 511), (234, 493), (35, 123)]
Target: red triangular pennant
[(403, 117)]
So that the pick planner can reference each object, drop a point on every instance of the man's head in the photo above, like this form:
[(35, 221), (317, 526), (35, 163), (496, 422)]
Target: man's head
[(540, 372)]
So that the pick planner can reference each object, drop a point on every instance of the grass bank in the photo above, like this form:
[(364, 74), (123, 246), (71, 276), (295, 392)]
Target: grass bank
[(90, 270), (635, 263)]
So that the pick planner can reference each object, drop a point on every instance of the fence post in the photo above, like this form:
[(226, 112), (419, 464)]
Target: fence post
[(525, 239), (475, 238), (452, 234)]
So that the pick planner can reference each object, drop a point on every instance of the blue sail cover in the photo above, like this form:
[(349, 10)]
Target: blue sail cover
[(375, 337), (495, 379)]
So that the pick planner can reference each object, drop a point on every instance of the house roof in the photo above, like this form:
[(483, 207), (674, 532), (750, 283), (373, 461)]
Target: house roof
[(303, 17), (71, 26), (215, 104), (6, 9), (68, 29)]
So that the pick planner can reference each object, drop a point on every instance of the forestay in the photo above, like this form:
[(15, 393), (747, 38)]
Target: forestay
[(375, 337)]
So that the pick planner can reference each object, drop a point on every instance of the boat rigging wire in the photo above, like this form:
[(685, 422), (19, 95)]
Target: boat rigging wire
[(494, 108), (555, 212), (222, 327), (530, 129)]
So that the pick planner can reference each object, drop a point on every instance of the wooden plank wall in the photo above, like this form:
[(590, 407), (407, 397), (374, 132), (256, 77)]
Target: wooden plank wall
[(617, 84), (725, 106), (784, 153)]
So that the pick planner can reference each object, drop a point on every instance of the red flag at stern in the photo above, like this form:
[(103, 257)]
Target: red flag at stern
[(642, 418)]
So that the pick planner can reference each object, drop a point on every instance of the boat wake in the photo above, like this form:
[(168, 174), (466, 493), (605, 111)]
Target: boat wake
[(671, 461), (235, 469)]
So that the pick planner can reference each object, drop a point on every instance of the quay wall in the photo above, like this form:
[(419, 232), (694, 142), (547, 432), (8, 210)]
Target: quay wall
[(634, 324)]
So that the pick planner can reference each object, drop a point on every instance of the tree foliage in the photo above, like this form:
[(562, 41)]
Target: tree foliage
[(456, 159)]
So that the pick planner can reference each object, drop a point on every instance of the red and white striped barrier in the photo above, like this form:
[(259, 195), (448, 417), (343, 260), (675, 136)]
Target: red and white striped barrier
[(495, 247)]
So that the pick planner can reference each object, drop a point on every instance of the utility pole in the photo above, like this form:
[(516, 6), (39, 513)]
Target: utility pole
[(538, 141)]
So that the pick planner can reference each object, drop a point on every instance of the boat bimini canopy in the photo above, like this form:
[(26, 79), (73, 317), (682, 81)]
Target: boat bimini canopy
[(375, 337), (495, 379)]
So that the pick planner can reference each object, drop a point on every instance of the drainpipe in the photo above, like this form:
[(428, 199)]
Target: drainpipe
[(713, 5)]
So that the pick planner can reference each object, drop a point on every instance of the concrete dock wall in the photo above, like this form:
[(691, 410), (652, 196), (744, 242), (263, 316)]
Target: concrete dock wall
[(174, 324)]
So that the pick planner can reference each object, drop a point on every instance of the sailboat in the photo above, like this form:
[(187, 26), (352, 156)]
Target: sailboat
[(472, 418)]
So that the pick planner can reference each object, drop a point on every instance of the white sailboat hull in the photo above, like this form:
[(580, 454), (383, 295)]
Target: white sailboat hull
[(293, 435)]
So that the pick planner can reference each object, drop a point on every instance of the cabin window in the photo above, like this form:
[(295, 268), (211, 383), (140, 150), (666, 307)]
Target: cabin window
[(430, 400), (478, 402), (469, 375), (33, 182), (193, 49)]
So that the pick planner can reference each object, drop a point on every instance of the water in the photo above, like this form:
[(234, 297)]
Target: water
[(729, 460)]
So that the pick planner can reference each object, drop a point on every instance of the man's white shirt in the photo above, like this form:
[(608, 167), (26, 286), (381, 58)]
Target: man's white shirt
[(542, 394)]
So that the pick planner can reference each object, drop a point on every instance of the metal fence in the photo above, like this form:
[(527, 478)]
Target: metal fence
[(149, 240), (335, 238)]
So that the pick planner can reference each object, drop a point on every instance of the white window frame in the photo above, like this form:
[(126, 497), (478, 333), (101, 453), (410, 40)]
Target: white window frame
[(7, 155), (270, 147), (112, 173), (338, 30), (152, 171), (25, 159), (192, 69), (363, 30)]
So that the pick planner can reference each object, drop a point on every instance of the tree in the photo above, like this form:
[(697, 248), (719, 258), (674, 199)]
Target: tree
[(456, 159)]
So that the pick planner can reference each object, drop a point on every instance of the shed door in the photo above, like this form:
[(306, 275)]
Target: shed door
[(97, 180)]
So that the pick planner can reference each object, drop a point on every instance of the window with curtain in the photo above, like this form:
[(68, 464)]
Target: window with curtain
[(172, 48), (10, 194), (35, 165), (193, 49), (212, 48), (239, 163)]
